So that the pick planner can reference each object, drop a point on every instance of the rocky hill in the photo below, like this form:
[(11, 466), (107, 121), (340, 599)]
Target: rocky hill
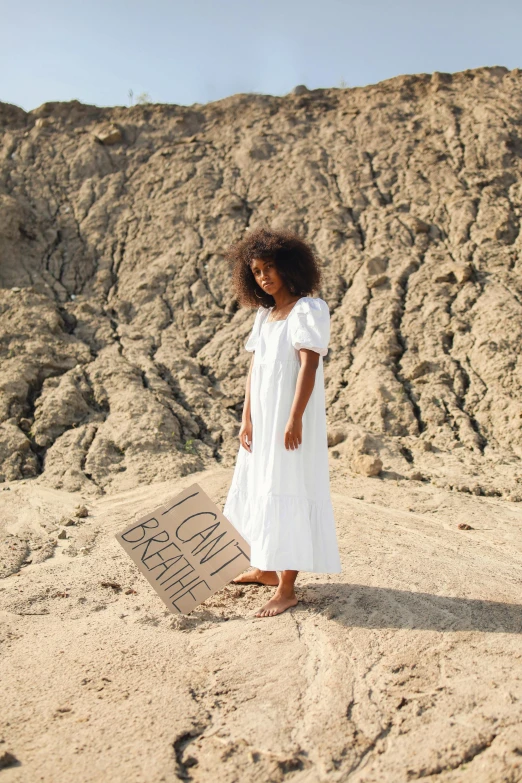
[(122, 346), (123, 371)]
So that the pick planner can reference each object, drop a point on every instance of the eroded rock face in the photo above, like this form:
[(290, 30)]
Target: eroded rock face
[(122, 344)]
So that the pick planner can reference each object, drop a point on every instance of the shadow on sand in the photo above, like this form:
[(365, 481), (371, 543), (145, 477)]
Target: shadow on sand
[(362, 606)]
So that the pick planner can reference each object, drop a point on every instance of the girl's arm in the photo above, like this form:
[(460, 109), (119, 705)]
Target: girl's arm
[(303, 390), (246, 406), (245, 432)]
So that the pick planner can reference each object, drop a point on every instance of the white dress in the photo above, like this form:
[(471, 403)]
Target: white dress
[(279, 499)]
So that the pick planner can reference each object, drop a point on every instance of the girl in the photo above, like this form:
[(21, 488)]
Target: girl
[(279, 498)]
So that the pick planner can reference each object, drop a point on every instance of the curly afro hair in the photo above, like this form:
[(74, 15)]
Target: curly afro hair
[(295, 260)]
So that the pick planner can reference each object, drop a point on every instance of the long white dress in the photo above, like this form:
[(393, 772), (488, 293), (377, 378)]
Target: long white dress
[(279, 499)]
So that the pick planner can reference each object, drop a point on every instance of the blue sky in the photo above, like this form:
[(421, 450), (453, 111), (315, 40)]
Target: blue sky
[(202, 50)]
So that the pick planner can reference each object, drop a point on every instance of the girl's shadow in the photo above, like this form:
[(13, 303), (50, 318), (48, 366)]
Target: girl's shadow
[(362, 606)]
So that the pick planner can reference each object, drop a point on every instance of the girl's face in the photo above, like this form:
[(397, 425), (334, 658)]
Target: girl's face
[(266, 276)]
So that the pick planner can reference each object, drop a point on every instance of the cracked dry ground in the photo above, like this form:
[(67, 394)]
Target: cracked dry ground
[(406, 666), (122, 346)]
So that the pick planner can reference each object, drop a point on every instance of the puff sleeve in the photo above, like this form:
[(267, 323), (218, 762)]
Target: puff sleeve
[(310, 327), (251, 343)]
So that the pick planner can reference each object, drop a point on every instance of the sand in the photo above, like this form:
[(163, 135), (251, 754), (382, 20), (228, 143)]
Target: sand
[(408, 665)]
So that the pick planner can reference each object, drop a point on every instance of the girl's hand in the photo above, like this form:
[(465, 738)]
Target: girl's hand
[(293, 433), (245, 435)]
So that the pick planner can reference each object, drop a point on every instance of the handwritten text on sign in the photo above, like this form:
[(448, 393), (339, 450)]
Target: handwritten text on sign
[(186, 549)]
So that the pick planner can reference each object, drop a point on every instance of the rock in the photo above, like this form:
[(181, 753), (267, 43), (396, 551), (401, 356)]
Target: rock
[(8, 760), (68, 522), (366, 465), (336, 435), (445, 274), (376, 266), (453, 273), (363, 443), (463, 488), (42, 122), (419, 370), (416, 476), (417, 225), (377, 280), (114, 585), (464, 526), (81, 512), (110, 135), (300, 89), (62, 534), (462, 272)]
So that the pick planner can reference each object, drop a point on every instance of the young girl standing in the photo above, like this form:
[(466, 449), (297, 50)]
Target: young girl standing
[(279, 499)]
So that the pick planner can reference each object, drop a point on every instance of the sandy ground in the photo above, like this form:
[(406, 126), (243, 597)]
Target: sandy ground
[(406, 666)]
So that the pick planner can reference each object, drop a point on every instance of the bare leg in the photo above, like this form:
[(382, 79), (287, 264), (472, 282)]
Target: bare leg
[(269, 578), (284, 597)]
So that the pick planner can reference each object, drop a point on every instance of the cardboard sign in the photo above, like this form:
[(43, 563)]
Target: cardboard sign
[(186, 549)]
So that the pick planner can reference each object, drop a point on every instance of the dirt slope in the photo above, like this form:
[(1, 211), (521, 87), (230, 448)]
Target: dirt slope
[(406, 666), (122, 345)]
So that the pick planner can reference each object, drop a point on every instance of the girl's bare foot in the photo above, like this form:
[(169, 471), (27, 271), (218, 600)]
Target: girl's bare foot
[(282, 600), (257, 577)]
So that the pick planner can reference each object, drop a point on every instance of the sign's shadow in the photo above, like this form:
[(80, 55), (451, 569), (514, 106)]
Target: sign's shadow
[(362, 606)]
